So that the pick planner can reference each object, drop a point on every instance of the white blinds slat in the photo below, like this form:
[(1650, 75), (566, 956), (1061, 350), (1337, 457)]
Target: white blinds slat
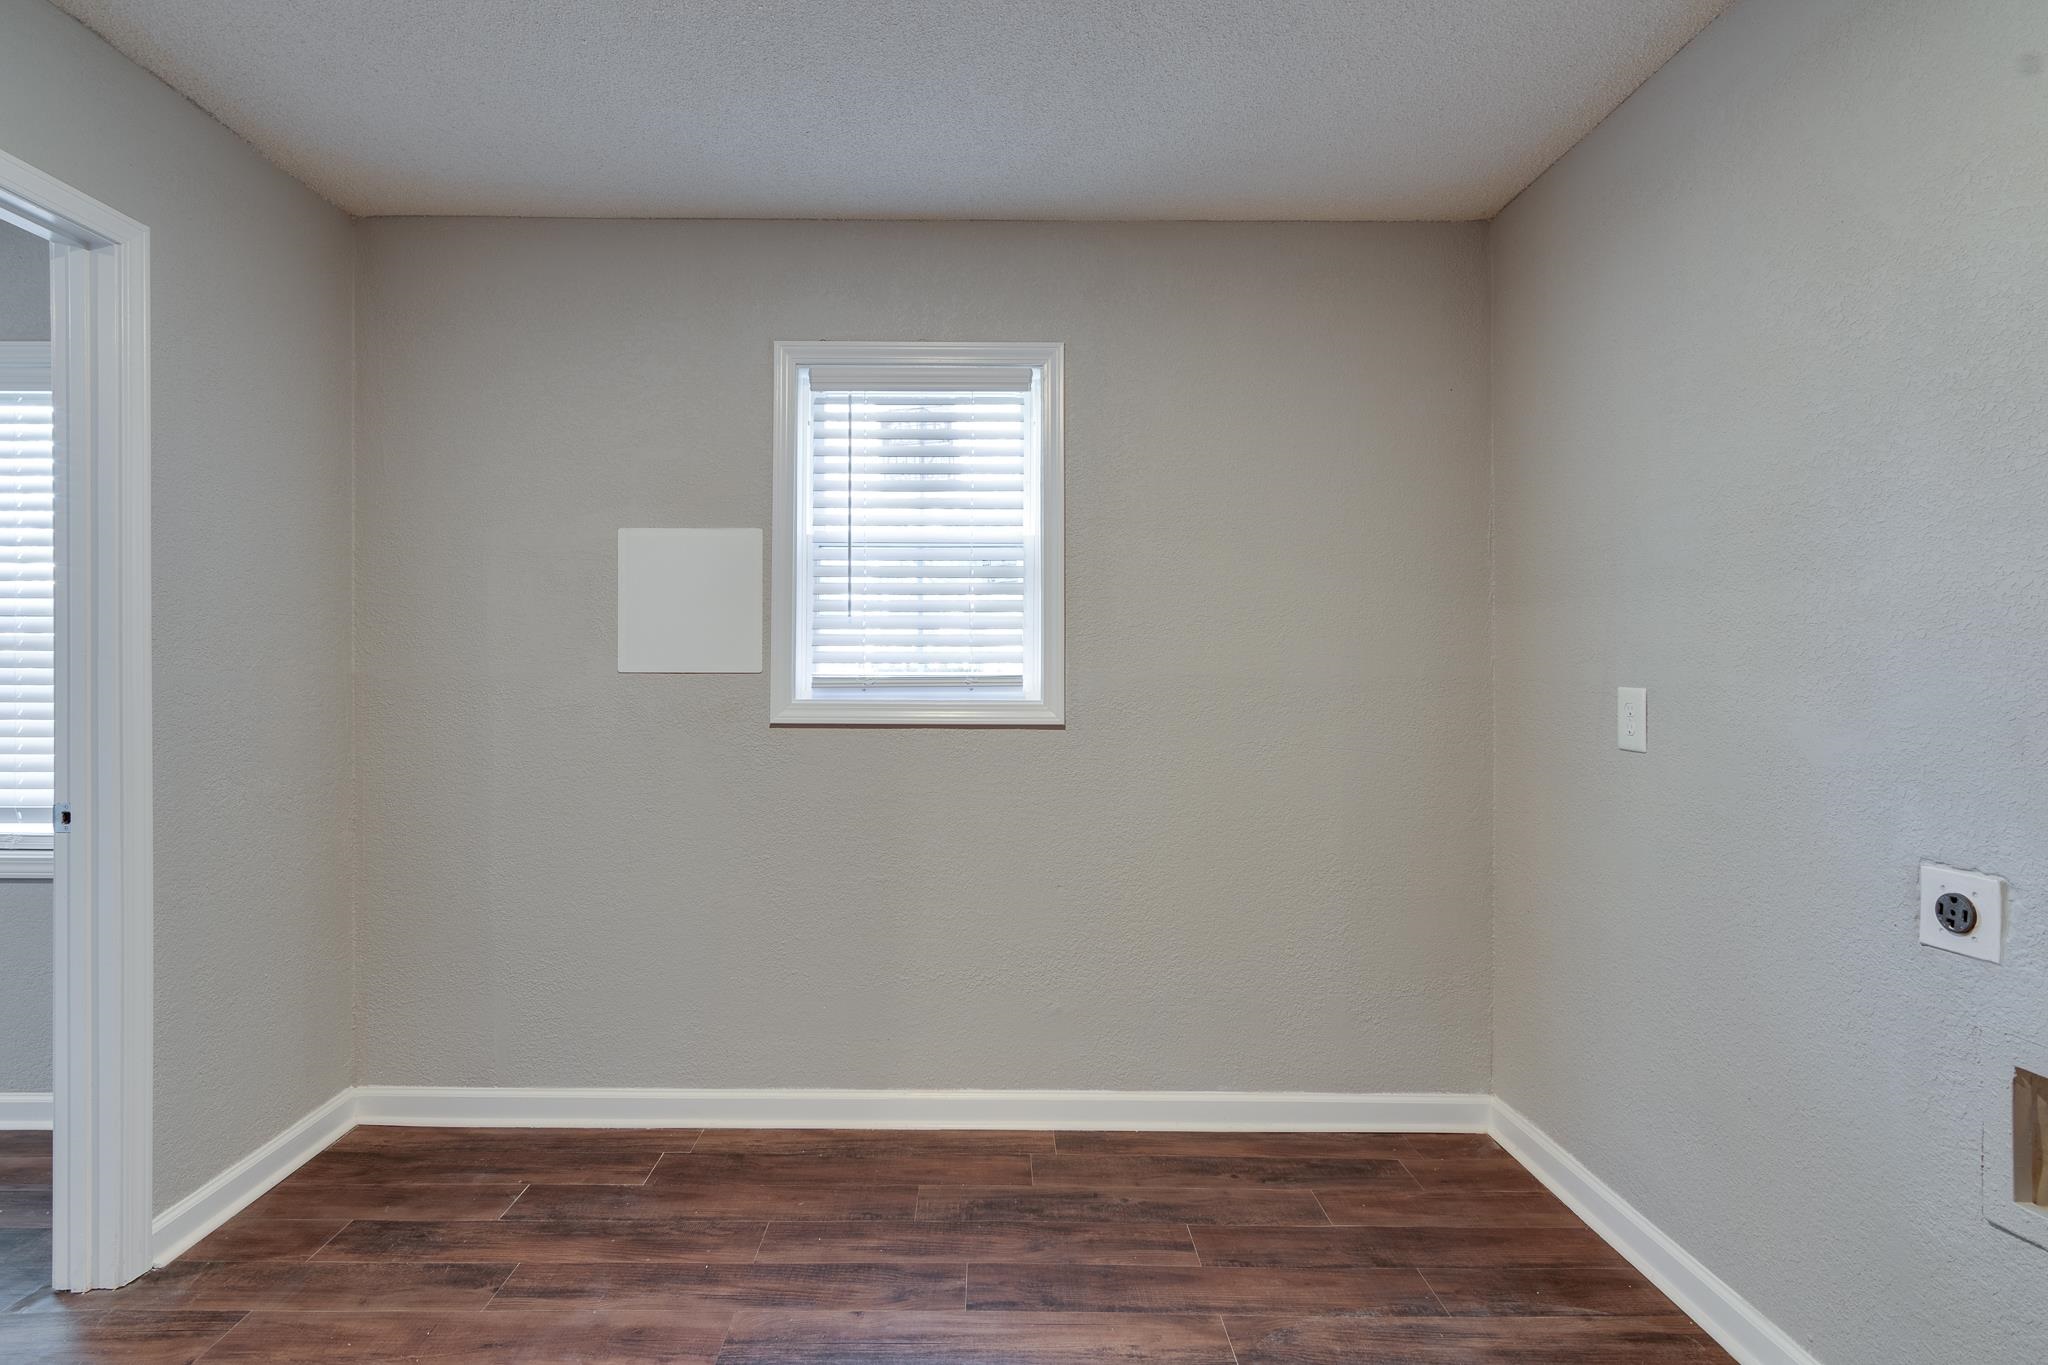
[(27, 614)]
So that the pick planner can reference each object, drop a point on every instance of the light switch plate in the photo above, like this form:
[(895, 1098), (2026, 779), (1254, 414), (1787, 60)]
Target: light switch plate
[(1632, 719), (1987, 940), (689, 601)]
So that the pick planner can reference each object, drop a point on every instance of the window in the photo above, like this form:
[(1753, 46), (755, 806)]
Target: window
[(28, 664), (917, 534)]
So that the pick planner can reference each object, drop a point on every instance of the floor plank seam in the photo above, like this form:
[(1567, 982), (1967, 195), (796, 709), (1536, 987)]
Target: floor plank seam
[(1441, 1306), (210, 1346), (499, 1292), (1323, 1211), (330, 1237), (1229, 1341)]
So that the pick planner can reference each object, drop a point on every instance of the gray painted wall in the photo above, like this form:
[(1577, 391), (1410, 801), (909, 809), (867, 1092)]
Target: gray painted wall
[(25, 998), (1254, 858), (25, 939), (1770, 350), (252, 349), (24, 286)]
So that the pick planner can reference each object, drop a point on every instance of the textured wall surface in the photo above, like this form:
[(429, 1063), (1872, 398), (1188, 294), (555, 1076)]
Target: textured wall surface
[(1254, 858), (25, 999), (1770, 358), (24, 286), (252, 355)]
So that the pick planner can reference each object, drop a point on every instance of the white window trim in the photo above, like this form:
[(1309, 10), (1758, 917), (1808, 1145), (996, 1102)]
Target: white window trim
[(787, 705)]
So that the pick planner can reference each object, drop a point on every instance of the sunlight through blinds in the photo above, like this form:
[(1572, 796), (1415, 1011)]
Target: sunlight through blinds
[(919, 518), (27, 622)]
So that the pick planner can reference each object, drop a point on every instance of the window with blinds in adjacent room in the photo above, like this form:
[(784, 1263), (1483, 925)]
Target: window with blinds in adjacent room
[(918, 525), (28, 665)]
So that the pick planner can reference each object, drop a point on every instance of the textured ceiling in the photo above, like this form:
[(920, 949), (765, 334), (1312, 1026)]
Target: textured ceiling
[(1356, 109)]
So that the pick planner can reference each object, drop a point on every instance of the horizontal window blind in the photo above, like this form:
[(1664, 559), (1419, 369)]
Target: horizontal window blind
[(28, 665), (918, 532)]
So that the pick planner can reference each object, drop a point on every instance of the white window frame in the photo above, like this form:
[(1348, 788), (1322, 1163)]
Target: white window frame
[(1044, 699)]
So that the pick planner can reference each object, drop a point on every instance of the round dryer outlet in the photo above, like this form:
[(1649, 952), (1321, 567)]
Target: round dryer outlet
[(1956, 913)]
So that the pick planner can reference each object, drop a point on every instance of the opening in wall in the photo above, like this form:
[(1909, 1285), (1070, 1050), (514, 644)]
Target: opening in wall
[(2030, 1139)]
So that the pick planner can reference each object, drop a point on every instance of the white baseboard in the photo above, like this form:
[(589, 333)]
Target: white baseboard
[(1707, 1299), (227, 1194), (25, 1109), (1250, 1111)]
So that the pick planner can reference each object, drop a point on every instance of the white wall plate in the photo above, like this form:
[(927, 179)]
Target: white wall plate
[(1986, 937), (1632, 719)]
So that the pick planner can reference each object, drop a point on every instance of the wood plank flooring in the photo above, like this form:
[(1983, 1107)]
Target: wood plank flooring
[(774, 1247)]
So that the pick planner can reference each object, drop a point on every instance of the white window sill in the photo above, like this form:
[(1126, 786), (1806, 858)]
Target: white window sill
[(930, 711), (27, 865)]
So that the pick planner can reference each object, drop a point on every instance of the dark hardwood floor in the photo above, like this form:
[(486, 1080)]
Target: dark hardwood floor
[(544, 1246)]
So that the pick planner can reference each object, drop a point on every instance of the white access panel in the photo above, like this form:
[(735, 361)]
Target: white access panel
[(689, 601)]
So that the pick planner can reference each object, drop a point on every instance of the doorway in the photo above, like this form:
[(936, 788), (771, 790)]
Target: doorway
[(89, 690), (27, 758)]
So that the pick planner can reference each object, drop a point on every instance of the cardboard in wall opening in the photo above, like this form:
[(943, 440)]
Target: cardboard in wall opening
[(2029, 1138)]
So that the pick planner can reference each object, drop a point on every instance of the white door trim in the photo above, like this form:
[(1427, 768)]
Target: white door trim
[(103, 890)]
